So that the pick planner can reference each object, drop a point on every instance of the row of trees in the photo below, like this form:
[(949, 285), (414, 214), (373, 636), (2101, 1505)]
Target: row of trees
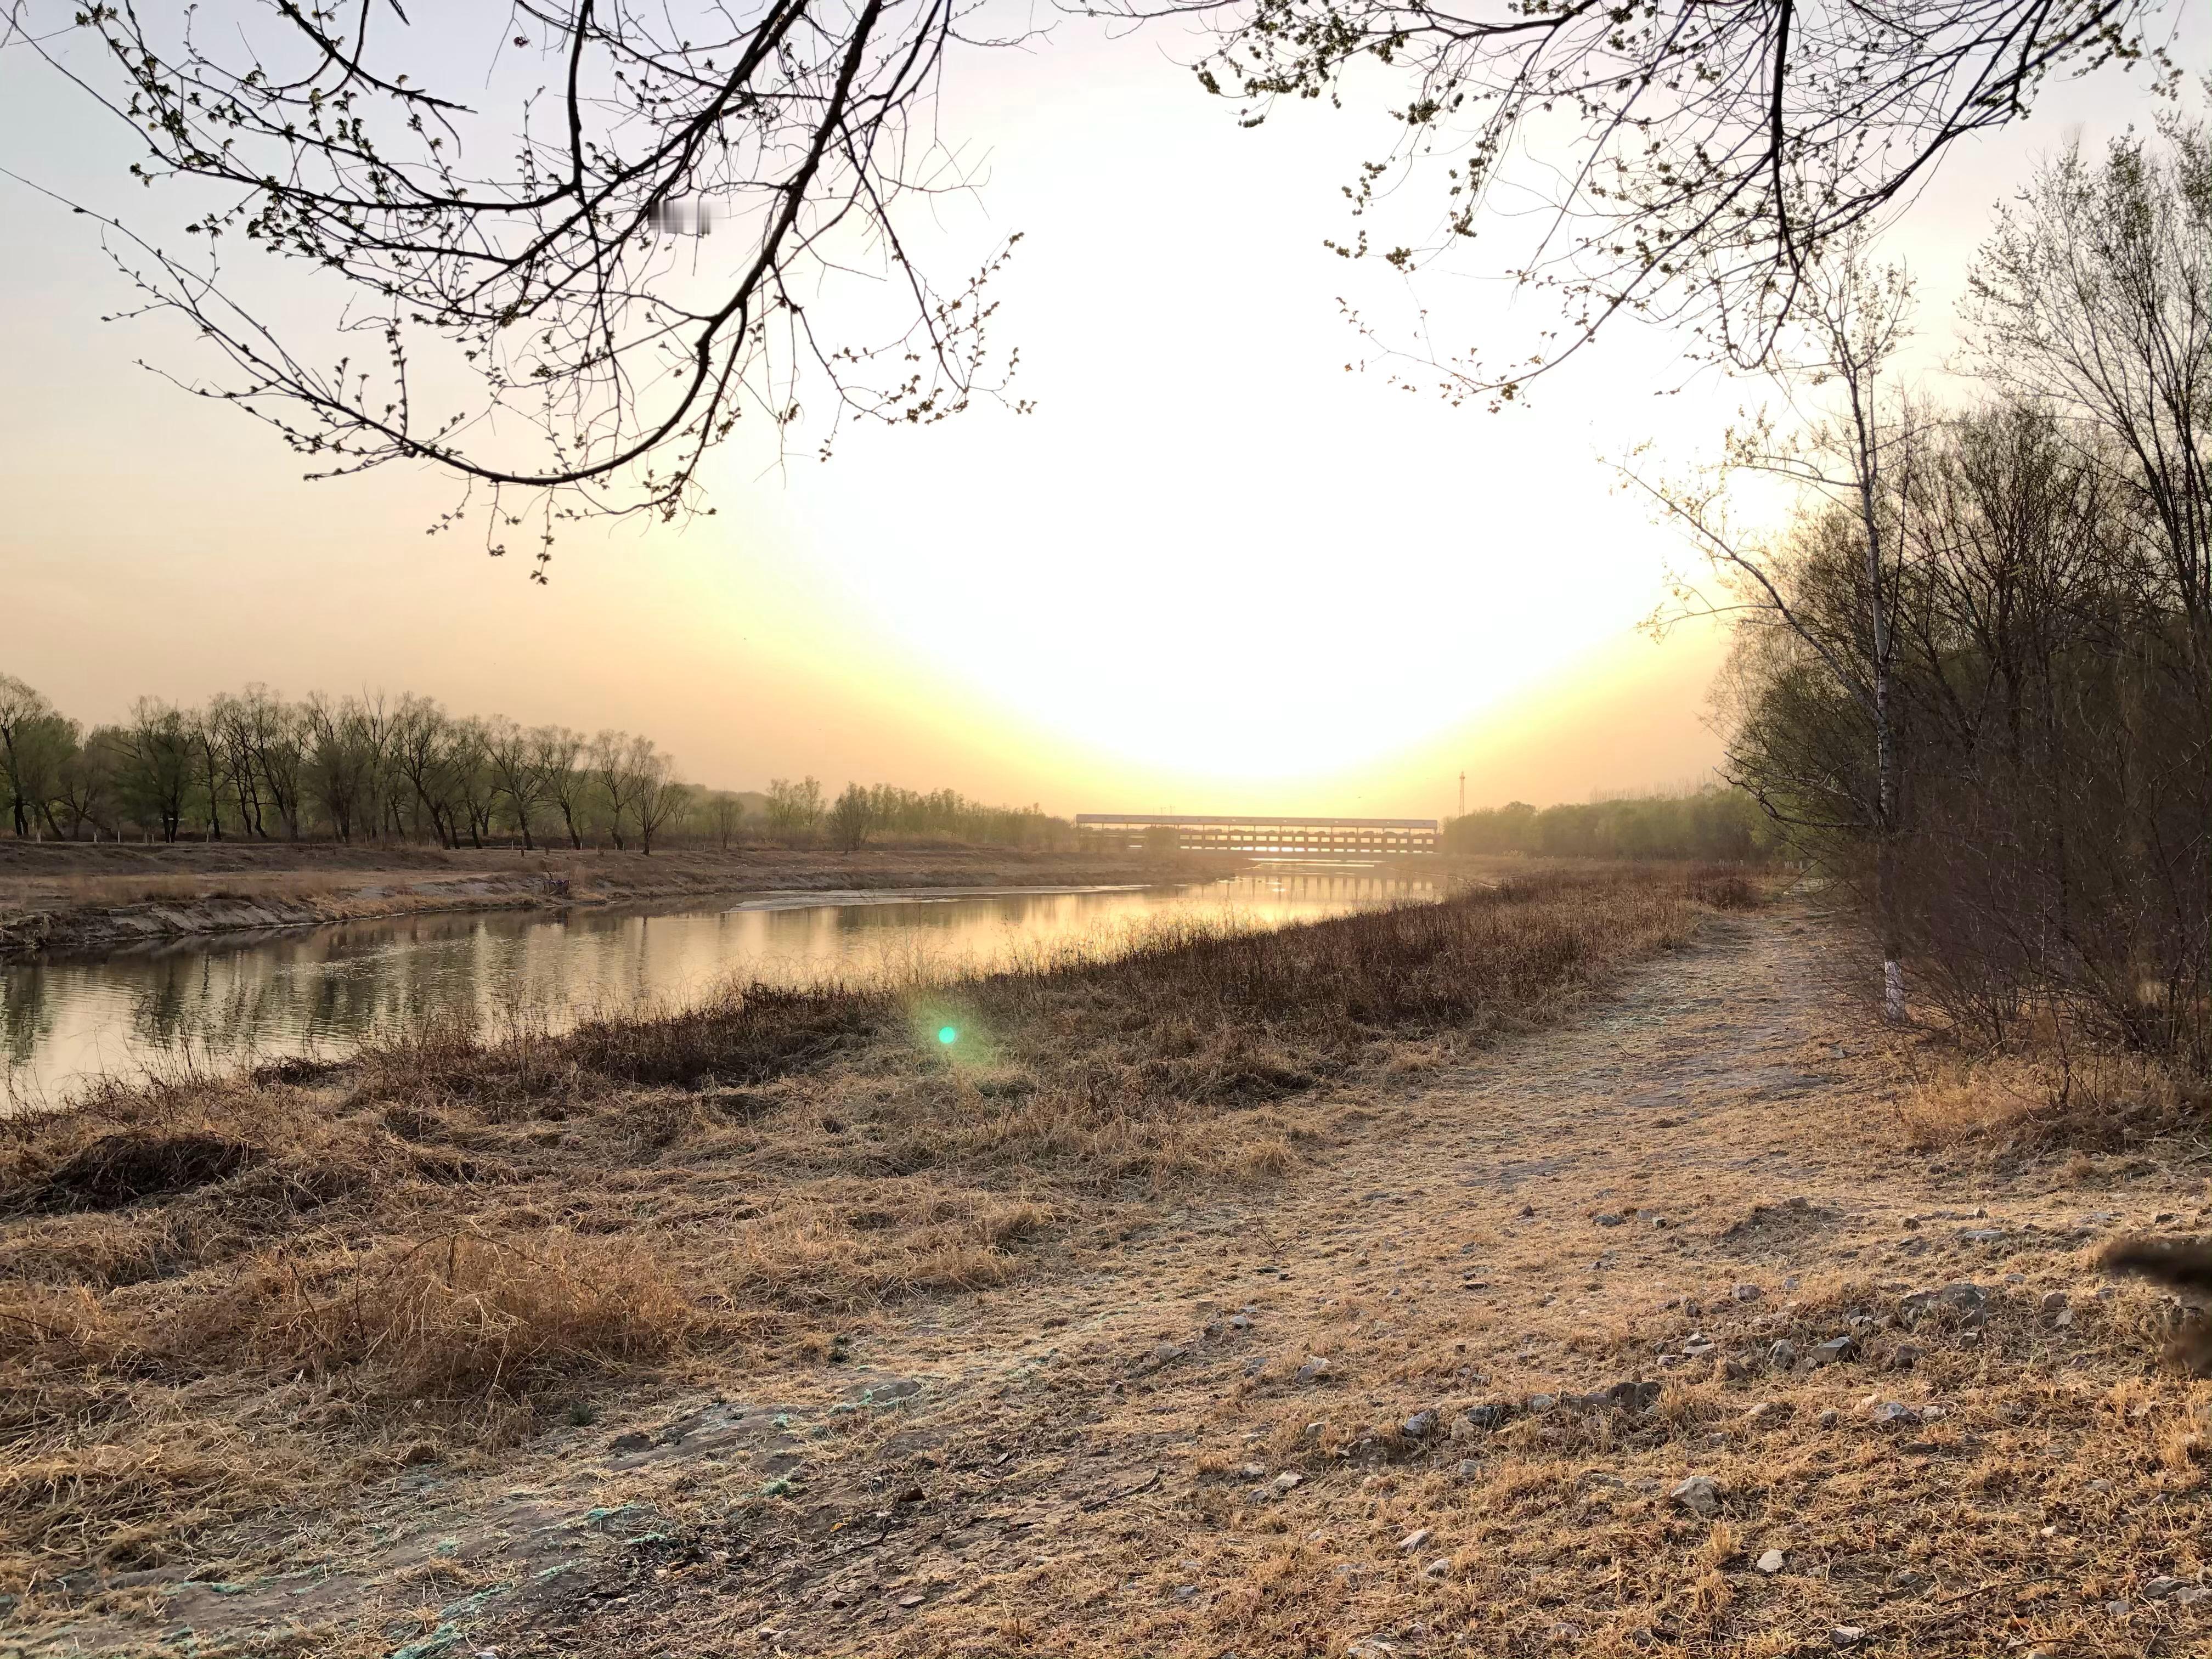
[(1716, 823), (1974, 675), (254, 766)]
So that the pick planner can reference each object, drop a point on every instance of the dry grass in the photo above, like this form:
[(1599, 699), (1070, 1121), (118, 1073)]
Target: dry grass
[(307, 1275), (2035, 1100)]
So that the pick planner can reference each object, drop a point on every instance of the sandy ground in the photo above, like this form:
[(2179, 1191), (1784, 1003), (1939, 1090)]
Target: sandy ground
[(83, 897), (1324, 1417)]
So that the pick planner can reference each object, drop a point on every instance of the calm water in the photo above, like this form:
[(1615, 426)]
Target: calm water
[(223, 1002)]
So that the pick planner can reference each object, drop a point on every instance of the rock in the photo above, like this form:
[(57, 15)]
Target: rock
[(909, 1495), (1252, 1472), (1782, 1355), (2053, 1301), (1528, 1210), (1904, 1357), (1413, 1540), (1770, 1563), (2191, 1595), (1963, 1297), (1438, 1569), (1699, 1494), (1419, 1426), (1828, 1418), (1538, 1404), (2161, 1586), (2063, 1319), (1981, 1235), (1834, 1351), (1287, 1481), (1846, 1636), (1468, 1468), (622, 1444), (1766, 1411), (1634, 1396), (1746, 1292), (1492, 1414), (1608, 1219), (1734, 1369), (1933, 1414), (1315, 1369), (1894, 1413), (1255, 1363), (1240, 1322)]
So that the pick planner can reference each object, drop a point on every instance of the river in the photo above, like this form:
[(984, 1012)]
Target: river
[(220, 1002)]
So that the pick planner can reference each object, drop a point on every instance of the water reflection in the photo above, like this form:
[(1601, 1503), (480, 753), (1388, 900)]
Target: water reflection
[(219, 1003)]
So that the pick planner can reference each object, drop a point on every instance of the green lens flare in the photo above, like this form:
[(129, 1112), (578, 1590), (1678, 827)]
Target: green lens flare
[(947, 1034)]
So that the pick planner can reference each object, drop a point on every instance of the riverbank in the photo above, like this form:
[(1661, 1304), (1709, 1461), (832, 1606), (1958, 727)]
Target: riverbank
[(1267, 1292), (65, 897), (221, 1300)]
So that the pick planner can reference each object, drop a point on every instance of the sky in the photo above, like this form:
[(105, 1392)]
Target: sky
[(1212, 571)]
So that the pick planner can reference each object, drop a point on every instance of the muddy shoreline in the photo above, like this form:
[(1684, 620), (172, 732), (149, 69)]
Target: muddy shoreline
[(79, 900)]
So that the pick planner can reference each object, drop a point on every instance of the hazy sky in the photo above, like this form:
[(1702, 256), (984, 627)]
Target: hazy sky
[(1212, 571)]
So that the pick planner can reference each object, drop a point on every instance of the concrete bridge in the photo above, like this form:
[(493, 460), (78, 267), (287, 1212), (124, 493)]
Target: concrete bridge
[(1257, 833)]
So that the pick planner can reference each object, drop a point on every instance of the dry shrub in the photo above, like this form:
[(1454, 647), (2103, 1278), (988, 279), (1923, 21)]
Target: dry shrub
[(914, 1238), (1728, 886), (117, 1505), (2037, 1103), (458, 1314), (122, 1168)]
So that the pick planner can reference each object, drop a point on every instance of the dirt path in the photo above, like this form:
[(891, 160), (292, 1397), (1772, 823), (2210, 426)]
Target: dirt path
[(1300, 1419)]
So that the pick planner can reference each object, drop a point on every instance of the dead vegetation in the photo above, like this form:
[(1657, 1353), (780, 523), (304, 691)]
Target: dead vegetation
[(218, 1296), (2041, 1096)]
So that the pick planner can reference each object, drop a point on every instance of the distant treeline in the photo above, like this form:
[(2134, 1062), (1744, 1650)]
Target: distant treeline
[(254, 766), (1708, 824)]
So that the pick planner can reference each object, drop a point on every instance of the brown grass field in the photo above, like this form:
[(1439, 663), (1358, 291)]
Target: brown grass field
[(1225, 1297)]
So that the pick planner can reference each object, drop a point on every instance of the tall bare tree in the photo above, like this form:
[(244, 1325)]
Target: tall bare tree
[(557, 754), (1855, 458)]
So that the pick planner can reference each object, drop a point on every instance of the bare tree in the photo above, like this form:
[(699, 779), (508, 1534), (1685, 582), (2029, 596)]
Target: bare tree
[(851, 818), (28, 753), (475, 779), (421, 755), (512, 753), (794, 808), (556, 752), (658, 798), (726, 810), (547, 247), (618, 760), (1855, 459), (156, 762), (346, 741)]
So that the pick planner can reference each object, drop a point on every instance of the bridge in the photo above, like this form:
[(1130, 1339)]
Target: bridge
[(1254, 833)]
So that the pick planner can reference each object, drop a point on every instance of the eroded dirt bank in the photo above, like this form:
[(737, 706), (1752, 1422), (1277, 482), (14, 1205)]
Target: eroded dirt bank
[(1354, 1414), (64, 897)]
